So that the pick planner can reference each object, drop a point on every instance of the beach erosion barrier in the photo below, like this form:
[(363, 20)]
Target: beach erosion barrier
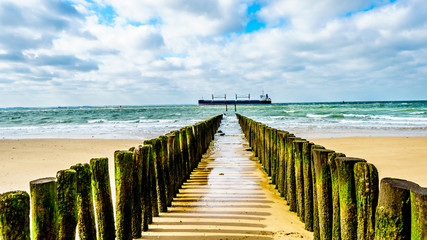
[(335, 196), (147, 177)]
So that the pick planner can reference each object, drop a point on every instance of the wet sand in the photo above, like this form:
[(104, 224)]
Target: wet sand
[(398, 157)]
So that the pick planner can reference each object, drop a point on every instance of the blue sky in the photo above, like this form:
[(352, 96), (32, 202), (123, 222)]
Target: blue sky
[(110, 52)]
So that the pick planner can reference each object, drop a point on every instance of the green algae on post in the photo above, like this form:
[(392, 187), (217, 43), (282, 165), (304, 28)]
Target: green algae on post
[(418, 213), (86, 214), (393, 214), (323, 191), (102, 197), (347, 195), (299, 180), (123, 165), (366, 183), (44, 209), (66, 188), (146, 186), (308, 186), (15, 215), (290, 171), (336, 222), (136, 192)]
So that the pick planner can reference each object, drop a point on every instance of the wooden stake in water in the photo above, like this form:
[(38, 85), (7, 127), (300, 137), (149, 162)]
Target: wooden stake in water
[(15, 215)]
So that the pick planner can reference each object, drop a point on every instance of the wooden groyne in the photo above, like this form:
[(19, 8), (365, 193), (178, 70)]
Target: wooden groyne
[(337, 197), (147, 178)]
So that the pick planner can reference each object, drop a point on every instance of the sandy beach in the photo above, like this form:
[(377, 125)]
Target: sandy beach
[(27, 159), (24, 160), (398, 157)]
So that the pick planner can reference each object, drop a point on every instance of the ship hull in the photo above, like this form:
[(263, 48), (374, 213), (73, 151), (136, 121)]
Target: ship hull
[(232, 102)]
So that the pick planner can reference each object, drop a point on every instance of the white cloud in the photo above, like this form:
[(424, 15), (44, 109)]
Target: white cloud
[(179, 50)]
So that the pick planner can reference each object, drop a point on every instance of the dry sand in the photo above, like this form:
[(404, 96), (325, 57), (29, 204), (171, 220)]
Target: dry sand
[(24, 160), (398, 157)]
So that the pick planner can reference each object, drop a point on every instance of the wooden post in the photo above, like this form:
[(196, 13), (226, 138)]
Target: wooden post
[(103, 201), (160, 174), (153, 182), (299, 179), (290, 172), (323, 192), (123, 165), (146, 187), (273, 156), (86, 214), (418, 213), (336, 222), (165, 169), (366, 183), (15, 215), (171, 167), (347, 196), (281, 160), (393, 214), (44, 209), (137, 198), (66, 188), (308, 183)]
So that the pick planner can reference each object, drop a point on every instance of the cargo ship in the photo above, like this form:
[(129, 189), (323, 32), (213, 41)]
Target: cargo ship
[(222, 100)]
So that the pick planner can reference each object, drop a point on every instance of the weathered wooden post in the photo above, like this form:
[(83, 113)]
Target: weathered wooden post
[(336, 222), (267, 157), (178, 160), (164, 157), (154, 206), (393, 215), (366, 183), (323, 192), (44, 210), (160, 174), (273, 155), (281, 160), (86, 214), (123, 165), (418, 213), (308, 183), (347, 196), (171, 167), (184, 155), (290, 172), (299, 179), (103, 201), (66, 188), (15, 215), (146, 186), (137, 198)]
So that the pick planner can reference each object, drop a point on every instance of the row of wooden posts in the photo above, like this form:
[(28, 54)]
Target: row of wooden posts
[(146, 180), (337, 197)]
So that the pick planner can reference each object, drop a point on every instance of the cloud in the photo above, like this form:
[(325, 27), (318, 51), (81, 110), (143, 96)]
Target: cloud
[(173, 51)]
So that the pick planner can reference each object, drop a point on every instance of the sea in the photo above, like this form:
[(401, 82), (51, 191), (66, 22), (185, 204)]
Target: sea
[(307, 120)]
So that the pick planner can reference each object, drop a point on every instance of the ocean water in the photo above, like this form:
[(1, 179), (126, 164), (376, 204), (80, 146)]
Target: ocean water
[(308, 120)]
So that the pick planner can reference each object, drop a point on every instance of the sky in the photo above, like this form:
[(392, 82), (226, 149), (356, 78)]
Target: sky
[(149, 52)]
